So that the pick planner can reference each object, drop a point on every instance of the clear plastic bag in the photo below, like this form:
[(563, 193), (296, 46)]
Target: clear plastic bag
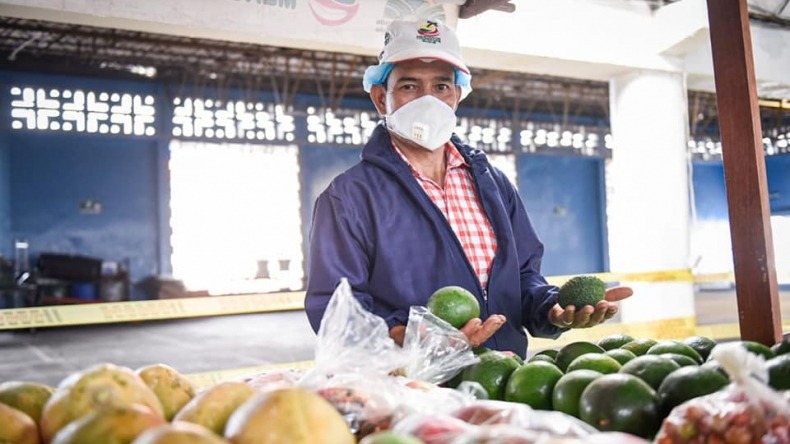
[(436, 350), (522, 416), (356, 363), (746, 411)]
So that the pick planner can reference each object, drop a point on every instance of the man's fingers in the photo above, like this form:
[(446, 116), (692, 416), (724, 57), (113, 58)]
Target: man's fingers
[(615, 294), (599, 313), (486, 330), (471, 327)]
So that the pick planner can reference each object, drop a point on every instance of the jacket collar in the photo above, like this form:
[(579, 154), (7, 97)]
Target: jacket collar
[(379, 151)]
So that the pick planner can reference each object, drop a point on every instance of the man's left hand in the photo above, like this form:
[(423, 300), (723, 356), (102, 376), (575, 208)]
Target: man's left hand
[(589, 316)]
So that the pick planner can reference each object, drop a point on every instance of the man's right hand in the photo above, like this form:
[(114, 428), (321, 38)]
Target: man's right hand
[(478, 332)]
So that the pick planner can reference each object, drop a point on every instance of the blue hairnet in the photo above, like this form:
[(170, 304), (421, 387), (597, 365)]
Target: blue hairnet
[(377, 75)]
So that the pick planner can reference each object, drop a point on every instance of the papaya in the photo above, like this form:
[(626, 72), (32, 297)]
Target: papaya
[(16, 427), (172, 388), (212, 407), (293, 415), (29, 397), (110, 425), (100, 386), (179, 433)]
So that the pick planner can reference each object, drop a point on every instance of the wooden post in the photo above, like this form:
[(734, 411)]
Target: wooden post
[(744, 171)]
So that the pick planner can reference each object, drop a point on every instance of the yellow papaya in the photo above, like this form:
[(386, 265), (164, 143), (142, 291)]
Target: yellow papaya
[(172, 388), (17, 427), (293, 415), (212, 407), (109, 425)]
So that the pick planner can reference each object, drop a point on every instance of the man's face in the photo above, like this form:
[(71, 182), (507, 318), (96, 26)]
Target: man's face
[(413, 79)]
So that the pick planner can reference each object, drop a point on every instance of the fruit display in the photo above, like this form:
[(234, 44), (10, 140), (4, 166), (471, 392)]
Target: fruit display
[(684, 391)]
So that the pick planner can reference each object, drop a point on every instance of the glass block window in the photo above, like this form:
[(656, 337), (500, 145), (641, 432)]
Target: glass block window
[(77, 110), (585, 141), (489, 135), (235, 217), (348, 127), (234, 119)]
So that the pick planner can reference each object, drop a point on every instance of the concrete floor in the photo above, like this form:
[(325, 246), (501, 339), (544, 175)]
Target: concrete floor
[(210, 344)]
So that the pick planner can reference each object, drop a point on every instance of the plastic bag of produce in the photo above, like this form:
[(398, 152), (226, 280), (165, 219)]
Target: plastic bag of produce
[(436, 350), (357, 365), (746, 411), (522, 416), (353, 340)]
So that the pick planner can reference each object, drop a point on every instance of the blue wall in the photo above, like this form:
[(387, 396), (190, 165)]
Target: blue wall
[(565, 199), (52, 178), (710, 193)]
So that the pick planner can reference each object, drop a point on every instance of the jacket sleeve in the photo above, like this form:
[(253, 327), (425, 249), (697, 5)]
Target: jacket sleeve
[(537, 295), (339, 248)]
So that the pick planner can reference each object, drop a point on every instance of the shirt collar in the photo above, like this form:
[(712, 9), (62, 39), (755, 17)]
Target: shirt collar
[(454, 158)]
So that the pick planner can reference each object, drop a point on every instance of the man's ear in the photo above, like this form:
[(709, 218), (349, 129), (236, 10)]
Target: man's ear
[(378, 94), (458, 95)]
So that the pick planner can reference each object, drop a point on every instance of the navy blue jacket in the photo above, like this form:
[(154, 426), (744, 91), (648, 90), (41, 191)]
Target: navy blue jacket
[(376, 226)]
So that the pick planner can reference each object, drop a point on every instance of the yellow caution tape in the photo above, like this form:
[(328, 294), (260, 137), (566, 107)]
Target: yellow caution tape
[(207, 379), (131, 311), (679, 275)]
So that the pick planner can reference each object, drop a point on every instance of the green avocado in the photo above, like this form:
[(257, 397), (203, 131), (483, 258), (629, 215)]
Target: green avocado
[(580, 291)]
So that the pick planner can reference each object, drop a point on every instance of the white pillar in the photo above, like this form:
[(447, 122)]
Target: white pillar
[(649, 201)]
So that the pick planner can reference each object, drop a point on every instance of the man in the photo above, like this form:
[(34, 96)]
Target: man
[(421, 210)]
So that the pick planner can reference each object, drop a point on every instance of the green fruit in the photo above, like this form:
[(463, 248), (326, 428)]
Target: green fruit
[(573, 350), (456, 305), (492, 372), (390, 437), (701, 344), (714, 365), (598, 362), (621, 403), (614, 341), (549, 352), (480, 350), (620, 355), (758, 349), (681, 360), (678, 347), (639, 346), (650, 368), (782, 347), (580, 291), (533, 384), (779, 372), (687, 383), (544, 358), (568, 390)]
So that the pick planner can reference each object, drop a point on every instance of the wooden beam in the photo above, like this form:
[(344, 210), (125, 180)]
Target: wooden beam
[(744, 171)]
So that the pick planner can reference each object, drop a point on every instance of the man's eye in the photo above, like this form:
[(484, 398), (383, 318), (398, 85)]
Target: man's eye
[(443, 87)]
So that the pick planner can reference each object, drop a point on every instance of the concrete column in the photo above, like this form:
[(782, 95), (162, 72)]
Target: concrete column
[(648, 209)]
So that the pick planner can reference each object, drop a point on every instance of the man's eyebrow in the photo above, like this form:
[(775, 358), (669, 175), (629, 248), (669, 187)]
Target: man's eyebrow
[(441, 78)]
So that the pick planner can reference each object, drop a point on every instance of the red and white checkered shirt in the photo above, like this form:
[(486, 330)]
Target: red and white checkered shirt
[(461, 207)]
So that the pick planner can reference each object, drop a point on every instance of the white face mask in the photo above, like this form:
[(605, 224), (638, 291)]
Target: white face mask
[(426, 121)]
